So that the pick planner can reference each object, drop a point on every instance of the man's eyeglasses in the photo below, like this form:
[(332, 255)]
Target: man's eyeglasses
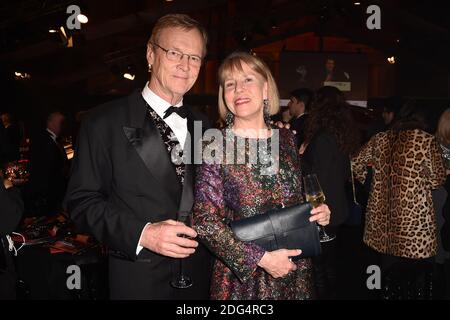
[(174, 55)]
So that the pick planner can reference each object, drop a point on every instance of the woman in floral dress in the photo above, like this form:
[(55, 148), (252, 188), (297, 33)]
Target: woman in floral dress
[(259, 171)]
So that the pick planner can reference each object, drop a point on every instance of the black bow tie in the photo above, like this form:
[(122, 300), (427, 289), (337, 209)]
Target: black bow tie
[(182, 111)]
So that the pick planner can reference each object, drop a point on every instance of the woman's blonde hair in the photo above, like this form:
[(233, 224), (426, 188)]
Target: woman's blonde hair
[(233, 63), (443, 130)]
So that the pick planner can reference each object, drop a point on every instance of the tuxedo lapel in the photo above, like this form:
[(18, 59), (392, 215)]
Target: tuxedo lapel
[(146, 140), (187, 196), (187, 199)]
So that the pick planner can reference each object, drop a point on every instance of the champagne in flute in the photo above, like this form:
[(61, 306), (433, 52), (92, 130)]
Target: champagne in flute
[(316, 200), (314, 195)]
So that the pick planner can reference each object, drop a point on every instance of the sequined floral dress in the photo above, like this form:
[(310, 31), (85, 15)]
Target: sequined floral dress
[(224, 192)]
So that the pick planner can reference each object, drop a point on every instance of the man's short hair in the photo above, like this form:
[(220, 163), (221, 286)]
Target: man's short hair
[(304, 95), (175, 20)]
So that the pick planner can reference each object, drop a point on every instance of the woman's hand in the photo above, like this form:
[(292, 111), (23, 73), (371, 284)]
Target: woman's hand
[(321, 214), (277, 263), (302, 148)]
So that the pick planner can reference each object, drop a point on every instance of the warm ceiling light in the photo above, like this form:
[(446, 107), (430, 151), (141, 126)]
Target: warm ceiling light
[(52, 31), (22, 75), (63, 32), (357, 3), (129, 76), (82, 18), (391, 60)]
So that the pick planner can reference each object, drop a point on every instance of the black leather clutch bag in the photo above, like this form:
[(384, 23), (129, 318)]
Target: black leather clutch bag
[(285, 228)]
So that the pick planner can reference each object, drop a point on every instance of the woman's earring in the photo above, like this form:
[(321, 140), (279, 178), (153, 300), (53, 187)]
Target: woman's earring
[(149, 67), (229, 119), (266, 112)]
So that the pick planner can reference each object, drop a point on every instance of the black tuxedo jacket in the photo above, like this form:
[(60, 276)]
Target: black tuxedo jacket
[(5, 147), (122, 178), (298, 125), (48, 171)]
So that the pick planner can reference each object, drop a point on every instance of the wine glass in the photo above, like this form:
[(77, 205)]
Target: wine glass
[(316, 197), (181, 280)]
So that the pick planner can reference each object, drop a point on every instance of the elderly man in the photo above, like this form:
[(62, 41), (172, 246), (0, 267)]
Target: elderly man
[(125, 189)]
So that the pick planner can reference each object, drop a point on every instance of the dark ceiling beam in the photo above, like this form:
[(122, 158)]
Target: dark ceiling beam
[(284, 35), (137, 21)]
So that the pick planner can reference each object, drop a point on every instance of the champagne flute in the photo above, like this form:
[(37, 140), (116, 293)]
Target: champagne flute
[(316, 197), (181, 280)]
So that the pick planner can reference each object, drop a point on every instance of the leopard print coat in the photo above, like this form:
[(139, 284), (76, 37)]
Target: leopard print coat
[(400, 218)]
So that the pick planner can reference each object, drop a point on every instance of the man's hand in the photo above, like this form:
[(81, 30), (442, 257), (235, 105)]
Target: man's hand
[(165, 238)]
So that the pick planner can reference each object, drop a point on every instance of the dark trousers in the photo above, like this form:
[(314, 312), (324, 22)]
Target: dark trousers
[(442, 280), (325, 271), (7, 273), (405, 278)]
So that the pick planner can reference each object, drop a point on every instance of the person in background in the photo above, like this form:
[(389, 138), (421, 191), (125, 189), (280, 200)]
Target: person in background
[(11, 212), (13, 136), (333, 73), (48, 168), (330, 139), (391, 108), (299, 105), (400, 223), (442, 202)]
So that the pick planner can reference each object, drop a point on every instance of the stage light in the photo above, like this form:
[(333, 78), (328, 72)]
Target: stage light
[(63, 32), (357, 3), (66, 40), (21, 75), (82, 18), (391, 60), (53, 31), (129, 76)]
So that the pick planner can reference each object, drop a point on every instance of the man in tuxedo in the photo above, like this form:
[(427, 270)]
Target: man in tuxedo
[(299, 104), (126, 190), (48, 168)]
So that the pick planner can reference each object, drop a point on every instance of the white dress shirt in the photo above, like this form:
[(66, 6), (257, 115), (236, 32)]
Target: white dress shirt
[(52, 134), (174, 121)]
